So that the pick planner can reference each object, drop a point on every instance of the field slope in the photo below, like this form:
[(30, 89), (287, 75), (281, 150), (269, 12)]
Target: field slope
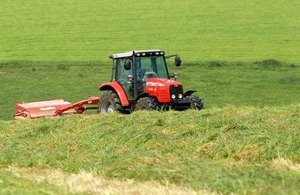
[(220, 150), (74, 30)]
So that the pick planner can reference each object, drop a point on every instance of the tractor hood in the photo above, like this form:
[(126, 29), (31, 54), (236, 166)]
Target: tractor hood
[(161, 82), (163, 89)]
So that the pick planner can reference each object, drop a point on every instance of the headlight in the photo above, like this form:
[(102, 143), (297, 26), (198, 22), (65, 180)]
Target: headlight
[(180, 96), (173, 96)]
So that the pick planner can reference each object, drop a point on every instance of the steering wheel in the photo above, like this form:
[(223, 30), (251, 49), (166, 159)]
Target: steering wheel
[(149, 74)]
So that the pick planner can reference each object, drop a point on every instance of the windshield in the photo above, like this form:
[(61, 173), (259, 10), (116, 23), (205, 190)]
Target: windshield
[(154, 64)]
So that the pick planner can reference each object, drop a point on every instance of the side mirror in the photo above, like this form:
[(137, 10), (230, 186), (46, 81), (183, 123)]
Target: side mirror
[(177, 61), (127, 64)]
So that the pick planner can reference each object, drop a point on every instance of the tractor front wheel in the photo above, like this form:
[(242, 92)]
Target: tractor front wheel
[(109, 102), (196, 102), (147, 103)]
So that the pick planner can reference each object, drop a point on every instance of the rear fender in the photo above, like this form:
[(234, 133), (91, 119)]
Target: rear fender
[(189, 92), (115, 86)]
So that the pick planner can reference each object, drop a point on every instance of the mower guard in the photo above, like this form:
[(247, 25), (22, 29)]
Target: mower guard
[(53, 108)]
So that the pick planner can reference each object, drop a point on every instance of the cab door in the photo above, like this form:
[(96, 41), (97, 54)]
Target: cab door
[(122, 76)]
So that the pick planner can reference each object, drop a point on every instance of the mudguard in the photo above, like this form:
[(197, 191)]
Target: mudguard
[(115, 86), (189, 92)]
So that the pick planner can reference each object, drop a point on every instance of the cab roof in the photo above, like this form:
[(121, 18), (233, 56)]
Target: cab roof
[(137, 53)]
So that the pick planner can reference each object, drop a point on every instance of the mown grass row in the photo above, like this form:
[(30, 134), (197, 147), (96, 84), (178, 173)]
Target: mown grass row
[(14, 184), (224, 150)]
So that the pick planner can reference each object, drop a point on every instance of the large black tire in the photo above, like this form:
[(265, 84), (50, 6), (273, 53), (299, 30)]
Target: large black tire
[(109, 102), (147, 103), (196, 102)]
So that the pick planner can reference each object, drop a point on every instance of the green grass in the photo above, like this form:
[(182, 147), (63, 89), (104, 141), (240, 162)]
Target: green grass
[(241, 57), (243, 150), (74, 30), (217, 83), (12, 184)]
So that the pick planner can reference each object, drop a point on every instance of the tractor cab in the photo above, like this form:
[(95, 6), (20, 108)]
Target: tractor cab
[(140, 80), (132, 69)]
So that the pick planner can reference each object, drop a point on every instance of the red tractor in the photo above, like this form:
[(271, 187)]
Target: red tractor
[(141, 81)]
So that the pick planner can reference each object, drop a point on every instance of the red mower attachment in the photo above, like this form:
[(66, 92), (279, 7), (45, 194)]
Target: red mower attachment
[(53, 108)]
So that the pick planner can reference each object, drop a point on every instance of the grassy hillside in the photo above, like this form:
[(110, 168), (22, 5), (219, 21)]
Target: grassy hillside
[(242, 150), (74, 30)]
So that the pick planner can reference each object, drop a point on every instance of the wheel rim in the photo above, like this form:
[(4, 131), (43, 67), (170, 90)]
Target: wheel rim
[(110, 108), (107, 107)]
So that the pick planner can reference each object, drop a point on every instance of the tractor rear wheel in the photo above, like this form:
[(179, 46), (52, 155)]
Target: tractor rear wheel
[(147, 103), (196, 102), (109, 102)]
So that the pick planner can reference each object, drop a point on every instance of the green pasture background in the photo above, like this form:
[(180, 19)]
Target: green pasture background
[(75, 30)]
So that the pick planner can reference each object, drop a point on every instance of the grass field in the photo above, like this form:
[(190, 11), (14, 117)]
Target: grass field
[(226, 150), (217, 83), (74, 30), (241, 57)]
